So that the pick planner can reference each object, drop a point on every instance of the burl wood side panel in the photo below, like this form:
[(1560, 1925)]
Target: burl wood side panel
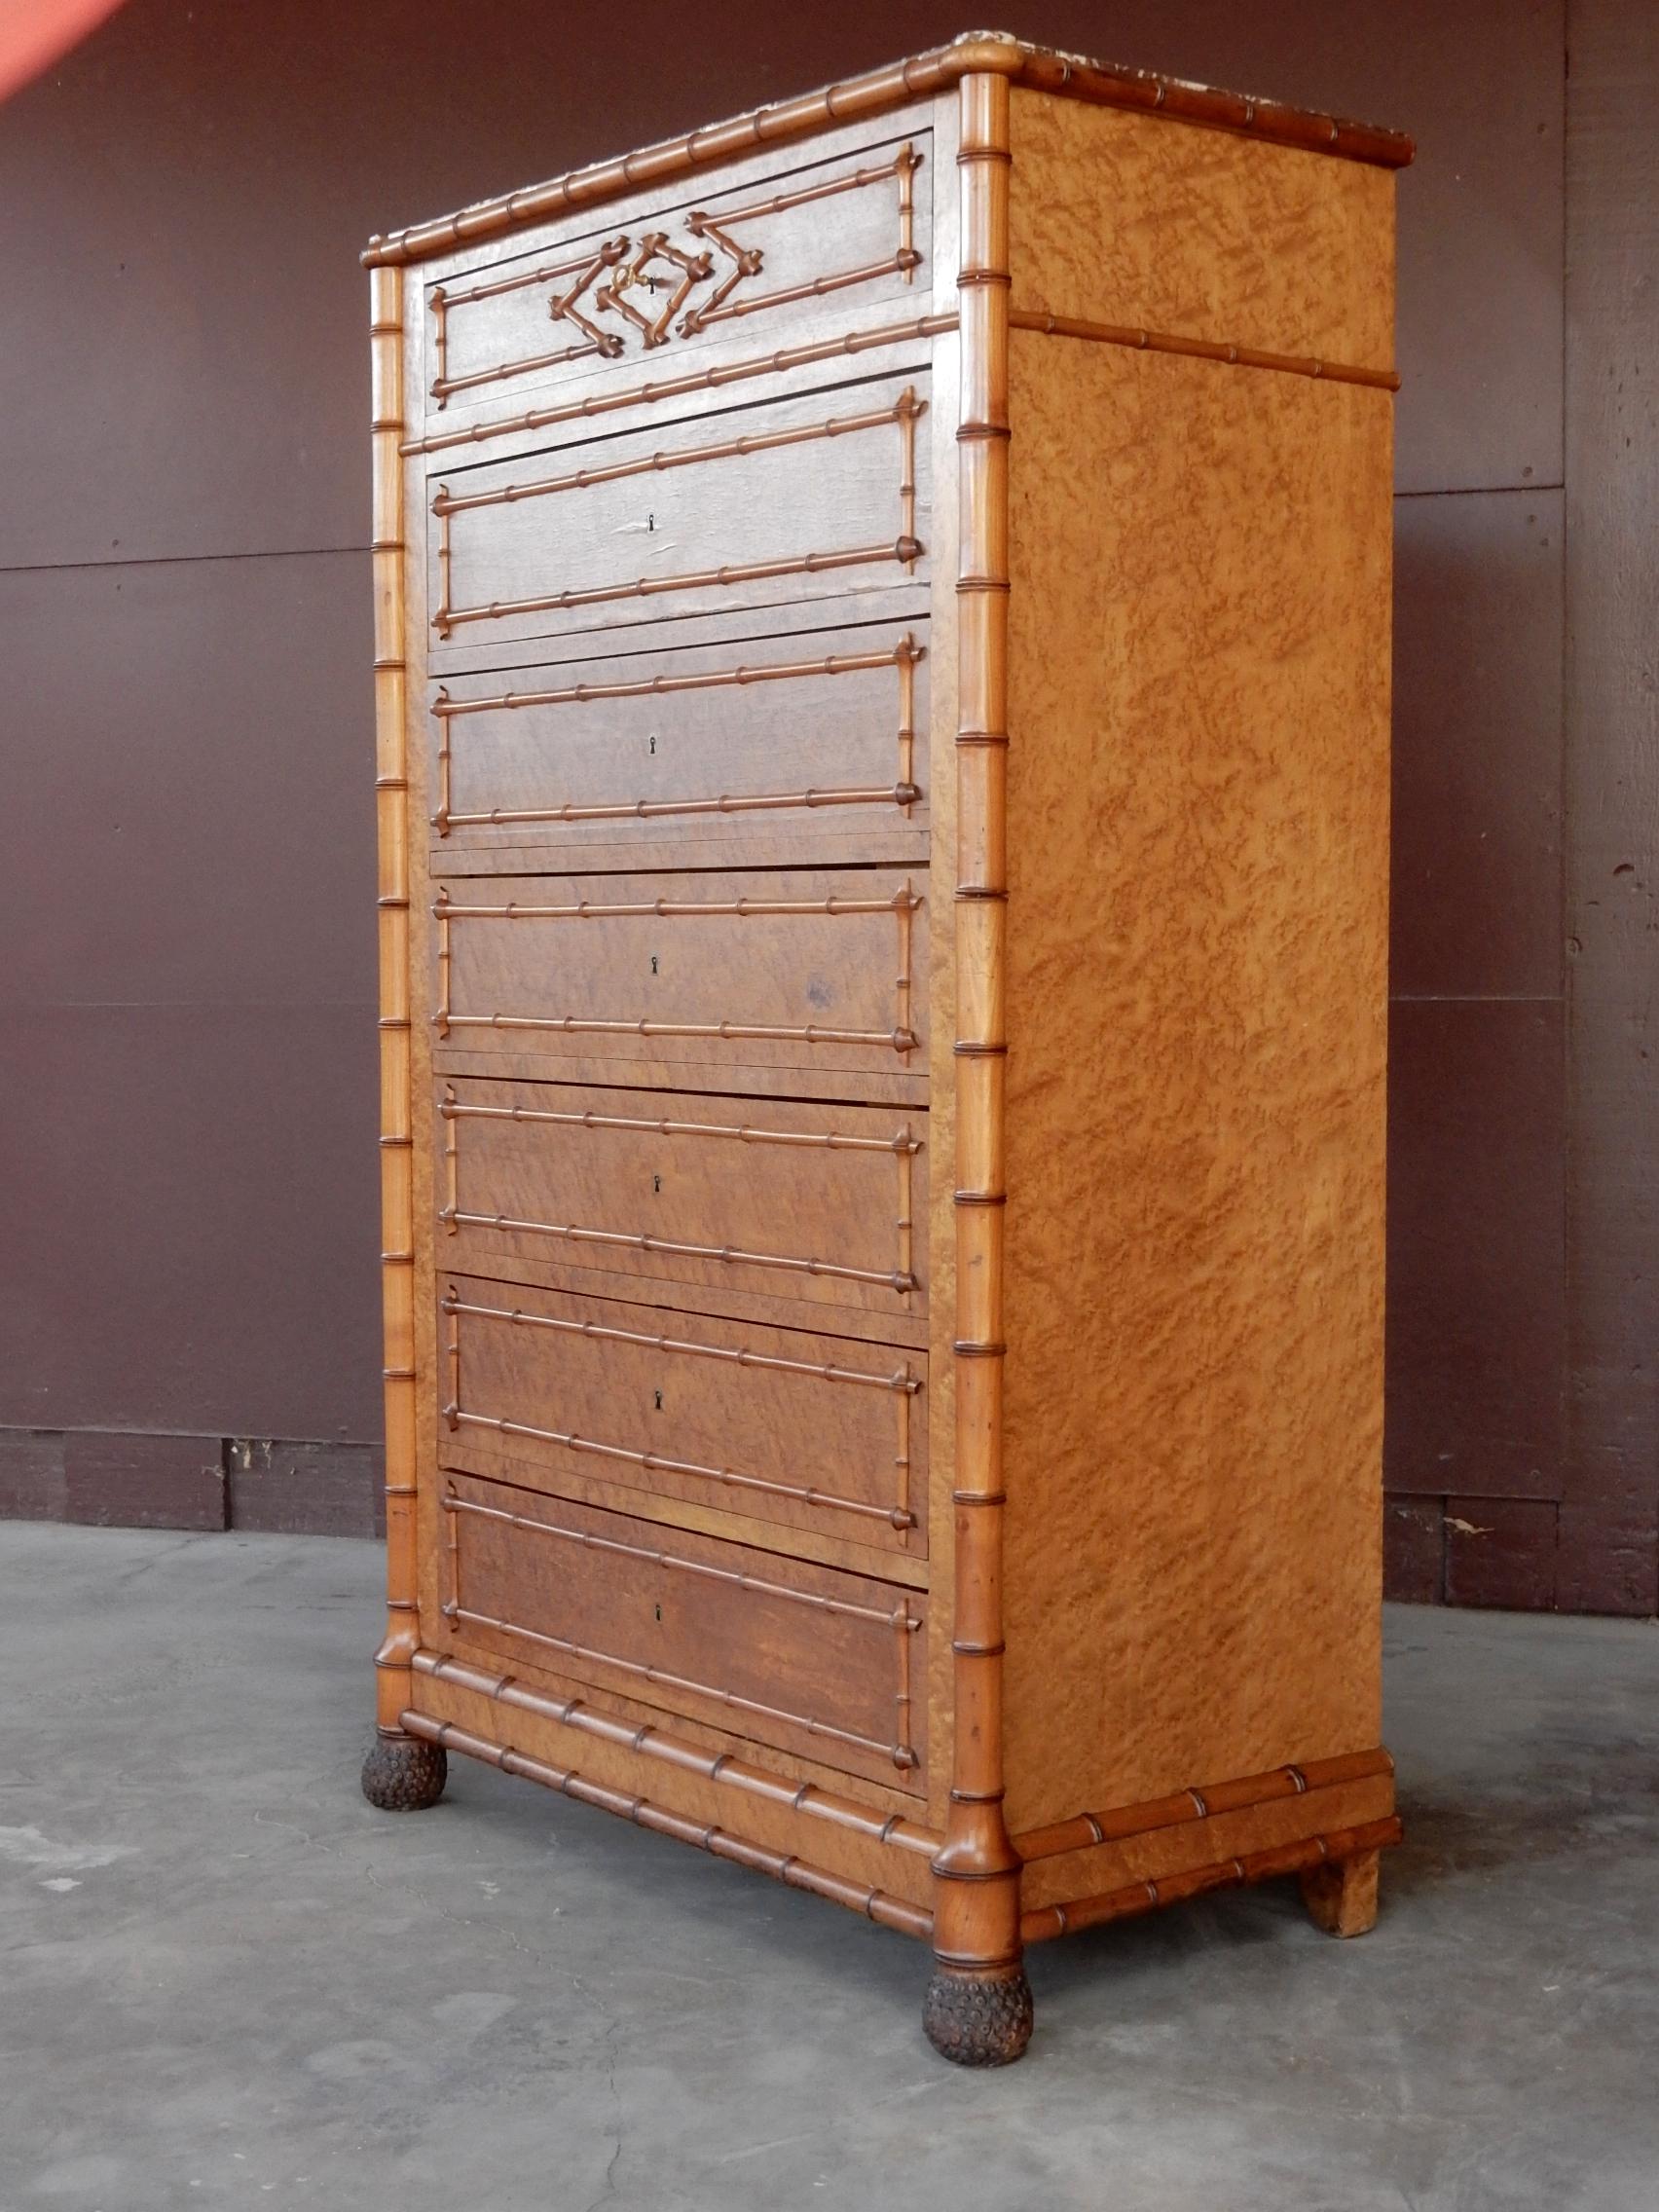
[(1128, 219), (1198, 801)]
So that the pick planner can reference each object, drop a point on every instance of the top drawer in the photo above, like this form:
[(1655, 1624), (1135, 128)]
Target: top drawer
[(767, 260)]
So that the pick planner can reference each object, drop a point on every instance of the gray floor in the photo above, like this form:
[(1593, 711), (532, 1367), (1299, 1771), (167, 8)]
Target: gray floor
[(227, 1983)]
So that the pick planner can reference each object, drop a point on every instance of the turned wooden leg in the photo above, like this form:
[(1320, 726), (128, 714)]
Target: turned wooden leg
[(403, 1774), (1341, 1897)]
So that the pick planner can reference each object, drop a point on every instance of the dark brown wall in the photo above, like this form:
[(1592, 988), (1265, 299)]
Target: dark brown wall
[(188, 1085)]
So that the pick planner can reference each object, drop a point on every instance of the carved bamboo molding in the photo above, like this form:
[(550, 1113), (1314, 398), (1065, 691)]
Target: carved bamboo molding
[(978, 54)]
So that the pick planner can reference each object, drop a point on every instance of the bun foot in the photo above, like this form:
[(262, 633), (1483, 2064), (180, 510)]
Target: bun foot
[(404, 1774), (1341, 1896), (979, 2020)]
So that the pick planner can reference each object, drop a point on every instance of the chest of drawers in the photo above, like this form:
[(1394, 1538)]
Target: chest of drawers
[(882, 655)]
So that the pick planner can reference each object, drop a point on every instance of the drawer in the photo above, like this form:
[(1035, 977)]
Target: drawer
[(809, 968), (811, 245), (822, 496), (814, 1662), (769, 1198), (807, 1431), (810, 740)]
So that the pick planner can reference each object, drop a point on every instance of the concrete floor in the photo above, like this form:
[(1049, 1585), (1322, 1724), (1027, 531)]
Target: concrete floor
[(228, 1982)]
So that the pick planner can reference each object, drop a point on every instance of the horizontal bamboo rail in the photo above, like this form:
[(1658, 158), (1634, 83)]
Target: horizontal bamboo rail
[(778, 363), (814, 1370), (783, 1866), (1299, 1857), (672, 909), (901, 1279), (906, 409), (655, 1743), (446, 708), (1200, 349), (824, 1140), (656, 809), (902, 550), (1084, 1829), (573, 1025), (876, 93), (659, 1462)]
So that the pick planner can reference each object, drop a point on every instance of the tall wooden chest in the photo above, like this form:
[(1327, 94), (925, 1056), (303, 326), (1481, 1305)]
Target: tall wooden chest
[(882, 664)]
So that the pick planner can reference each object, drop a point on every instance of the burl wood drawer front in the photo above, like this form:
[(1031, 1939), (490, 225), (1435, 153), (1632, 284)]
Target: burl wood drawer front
[(809, 1431), (817, 496), (791, 968), (808, 1659), (712, 1195), (768, 260), (807, 738)]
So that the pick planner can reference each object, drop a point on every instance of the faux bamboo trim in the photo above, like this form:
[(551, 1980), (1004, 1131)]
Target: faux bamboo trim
[(1084, 1829), (904, 409), (788, 357), (906, 550), (396, 1101), (900, 1041), (795, 1873), (937, 70), (826, 1140), (885, 1616), (899, 1618), (653, 1741), (901, 550), (674, 910), (816, 1370), (1229, 1873), (658, 1462), (900, 1278), (1200, 349), (977, 1873)]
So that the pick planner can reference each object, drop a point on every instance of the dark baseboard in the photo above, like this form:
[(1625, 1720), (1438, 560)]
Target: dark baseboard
[(121, 1479)]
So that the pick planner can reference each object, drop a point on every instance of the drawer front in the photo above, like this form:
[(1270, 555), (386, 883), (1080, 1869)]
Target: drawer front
[(810, 737), (808, 1431), (820, 496), (772, 1197), (768, 261), (803, 969), (814, 1662)]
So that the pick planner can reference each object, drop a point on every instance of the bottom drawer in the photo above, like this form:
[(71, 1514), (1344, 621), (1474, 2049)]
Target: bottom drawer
[(804, 1658)]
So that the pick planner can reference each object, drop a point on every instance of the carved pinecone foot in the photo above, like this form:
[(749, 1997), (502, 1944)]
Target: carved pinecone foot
[(404, 1774), (979, 2020)]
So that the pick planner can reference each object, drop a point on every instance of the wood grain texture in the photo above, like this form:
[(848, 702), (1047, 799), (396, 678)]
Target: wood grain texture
[(782, 1652), (808, 1431), (754, 751), (824, 496), (678, 1198), (707, 971), (1200, 235), (1198, 839)]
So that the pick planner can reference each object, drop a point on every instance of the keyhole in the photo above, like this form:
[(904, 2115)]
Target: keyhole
[(656, 1182), (658, 1394), (659, 1612), (650, 521), (651, 742), (653, 963)]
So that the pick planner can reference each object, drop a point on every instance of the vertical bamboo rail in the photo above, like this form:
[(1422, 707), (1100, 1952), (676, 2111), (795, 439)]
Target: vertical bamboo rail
[(396, 1143), (979, 2003)]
